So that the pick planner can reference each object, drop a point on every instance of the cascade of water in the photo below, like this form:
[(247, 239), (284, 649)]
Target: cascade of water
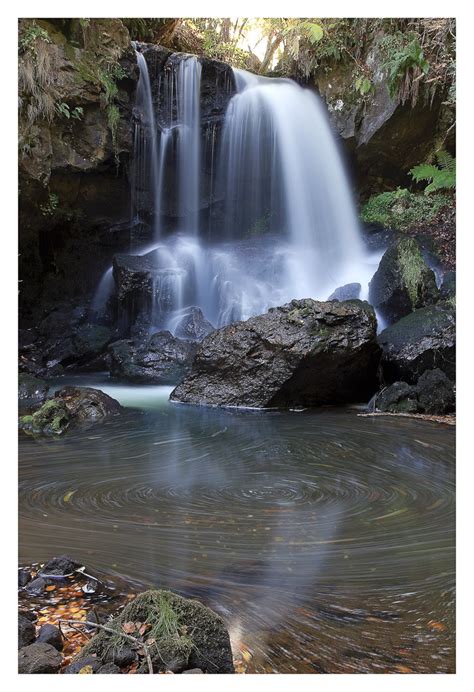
[(145, 178), (289, 228), (182, 89), (279, 155)]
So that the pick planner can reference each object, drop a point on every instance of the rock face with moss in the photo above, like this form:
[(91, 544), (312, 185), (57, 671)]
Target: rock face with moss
[(70, 406), (423, 340), (180, 634), (304, 353), (403, 282)]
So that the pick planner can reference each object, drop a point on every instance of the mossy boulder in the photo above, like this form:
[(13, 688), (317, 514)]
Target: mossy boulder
[(70, 405), (181, 634), (305, 353), (420, 341), (399, 397), (403, 282)]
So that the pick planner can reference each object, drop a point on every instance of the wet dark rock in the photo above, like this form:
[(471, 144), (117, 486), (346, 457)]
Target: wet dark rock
[(305, 353), (205, 646), (77, 346), (123, 656), (403, 282), (193, 671), (423, 340), (39, 658), (448, 287), (159, 359), (108, 669), (84, 660), (23, 577), (193, 325), (26, 632), (70, 406), (346, 292), (36, 586), (31, 389), (399, 397), (436, 392), (60, 566), (49, 634), (26, 338)]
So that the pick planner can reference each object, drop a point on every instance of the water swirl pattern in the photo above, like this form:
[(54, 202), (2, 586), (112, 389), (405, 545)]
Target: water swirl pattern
[(325, 539)]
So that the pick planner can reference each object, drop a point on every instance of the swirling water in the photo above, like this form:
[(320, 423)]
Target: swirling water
[(325, 539)]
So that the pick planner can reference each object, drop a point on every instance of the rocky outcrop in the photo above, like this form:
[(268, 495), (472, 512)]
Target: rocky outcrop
[(26, 632), (423, 340), (399, 397), (447, 289), (195, 637), (158, 359), (403, 282), (305, 353), (346, 292), (70, 406)]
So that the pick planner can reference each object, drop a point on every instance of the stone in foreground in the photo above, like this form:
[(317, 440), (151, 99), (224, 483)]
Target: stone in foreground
[(304, 353), (39, 658), (193, 637)]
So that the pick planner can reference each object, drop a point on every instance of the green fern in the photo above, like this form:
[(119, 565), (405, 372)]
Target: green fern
[(440, 177)]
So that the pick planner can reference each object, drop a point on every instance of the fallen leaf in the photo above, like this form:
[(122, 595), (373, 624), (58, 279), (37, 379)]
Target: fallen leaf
[(436, 626), (68, 495), (128, 627), (87, 670), (50, 588)]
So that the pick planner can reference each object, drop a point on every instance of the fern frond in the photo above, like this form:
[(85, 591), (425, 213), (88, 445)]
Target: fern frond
[(424, 171)]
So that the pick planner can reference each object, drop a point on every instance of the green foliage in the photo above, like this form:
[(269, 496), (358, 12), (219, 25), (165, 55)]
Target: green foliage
[(440, 177), (64, 110), (29, 35), (51, 206), (402, 209), (363, 85), (405, 64)]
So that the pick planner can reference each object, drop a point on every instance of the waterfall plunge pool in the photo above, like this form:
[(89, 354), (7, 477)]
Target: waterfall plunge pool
[(325, 540)]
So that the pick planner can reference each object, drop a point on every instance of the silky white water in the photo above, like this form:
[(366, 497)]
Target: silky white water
[(288, 228)]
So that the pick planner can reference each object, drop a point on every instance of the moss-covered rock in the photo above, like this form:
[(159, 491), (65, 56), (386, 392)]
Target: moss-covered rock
[(423, 340), (70, 405), (403, 282), (399, 397), (181, 634)]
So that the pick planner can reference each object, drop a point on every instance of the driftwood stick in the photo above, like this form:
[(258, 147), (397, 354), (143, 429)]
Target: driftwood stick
[(110, 630)]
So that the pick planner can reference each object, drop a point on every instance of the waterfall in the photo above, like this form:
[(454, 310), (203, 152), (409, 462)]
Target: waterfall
[(280, 156), (145, 161), (287, 226)]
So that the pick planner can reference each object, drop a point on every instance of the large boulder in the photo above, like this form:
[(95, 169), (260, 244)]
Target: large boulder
[(303, 353), (159, 359), (399, 397), (403, 282), (70, 406), (423, 340), (193, 636), (39, 658)]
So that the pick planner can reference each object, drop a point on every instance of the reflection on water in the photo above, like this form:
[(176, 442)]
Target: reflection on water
[(326, 540)]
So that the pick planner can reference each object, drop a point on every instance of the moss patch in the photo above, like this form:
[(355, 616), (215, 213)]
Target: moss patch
[(412, 268)]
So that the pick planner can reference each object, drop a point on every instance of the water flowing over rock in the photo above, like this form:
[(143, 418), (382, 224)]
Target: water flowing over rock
[(304, 353), (257, 202), (159, 359), (403, 282), (423, 340)]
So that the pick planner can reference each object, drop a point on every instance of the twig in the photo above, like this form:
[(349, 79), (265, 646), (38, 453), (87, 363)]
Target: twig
[(110, 630)]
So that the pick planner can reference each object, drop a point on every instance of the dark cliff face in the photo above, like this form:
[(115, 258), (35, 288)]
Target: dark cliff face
[(75, 207)]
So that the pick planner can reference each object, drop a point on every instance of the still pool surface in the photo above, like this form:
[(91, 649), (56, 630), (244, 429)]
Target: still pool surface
[(325, 539)]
